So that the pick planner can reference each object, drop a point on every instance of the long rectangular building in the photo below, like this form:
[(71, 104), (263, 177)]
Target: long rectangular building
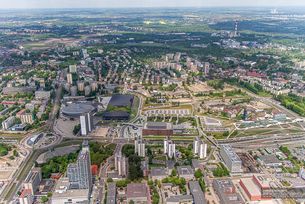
[(230, 158), (197, 192), (111, 194), (158, 128)]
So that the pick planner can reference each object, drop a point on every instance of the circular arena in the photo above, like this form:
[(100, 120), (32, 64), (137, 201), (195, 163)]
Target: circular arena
[(77, 109)]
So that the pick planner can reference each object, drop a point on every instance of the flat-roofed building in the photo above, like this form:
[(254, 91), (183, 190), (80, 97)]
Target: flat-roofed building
[(16, 90), (270, 161), (138, 193), (200, 148), (42, 95), (180, 199), (121, 164), (9, 122), (69, 78), (185, 172), (86, 123), (63, 194), (197, 192), (169, 148), (226, 192), (140, 147), (72, 68), (251, 189), (25, 117), (230, 158), (158, 128), (262, 181), (111, 194), (33, 180), (26, 197), (158, 173)]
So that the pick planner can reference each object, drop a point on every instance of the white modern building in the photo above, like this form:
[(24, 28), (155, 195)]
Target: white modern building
[(140, 147), (169, 148), (230, 158), (200, 148), (203, 148), (9, 122), (121, 164), (72, 68), (86, 124)]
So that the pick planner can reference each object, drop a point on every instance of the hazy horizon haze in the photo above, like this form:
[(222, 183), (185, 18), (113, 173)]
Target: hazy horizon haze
[(19, 4)]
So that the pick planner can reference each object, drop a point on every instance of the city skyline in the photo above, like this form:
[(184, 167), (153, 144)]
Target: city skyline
[(24, 4)]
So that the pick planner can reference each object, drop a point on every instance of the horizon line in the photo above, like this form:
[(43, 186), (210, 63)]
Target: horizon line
[(153, 7)]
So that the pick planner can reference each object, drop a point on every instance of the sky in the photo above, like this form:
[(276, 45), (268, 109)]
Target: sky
[(4, 4)]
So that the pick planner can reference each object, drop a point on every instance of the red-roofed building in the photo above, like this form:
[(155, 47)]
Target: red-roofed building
[(255, 74), (56, 176), (9, 103), (26, 197), (20, 113)]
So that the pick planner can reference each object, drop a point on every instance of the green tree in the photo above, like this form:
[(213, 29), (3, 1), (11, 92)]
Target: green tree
[(198, 174), (174, 172), (44, 199)]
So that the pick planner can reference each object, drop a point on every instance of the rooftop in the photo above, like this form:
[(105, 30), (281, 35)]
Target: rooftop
[(121, 100), (158, 125), (77, 109), (185, 170), (197, 193), (252, 188), (180, 198), (230, 152), (270, 159), (62, 190), (158, 171), (111, 194), (136, 190)]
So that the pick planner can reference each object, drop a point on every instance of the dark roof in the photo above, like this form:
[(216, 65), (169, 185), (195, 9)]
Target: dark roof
[(179, 198), (116, 114), (158, 125), (158, 171), (196, 192), (121, 100), (111, 194)]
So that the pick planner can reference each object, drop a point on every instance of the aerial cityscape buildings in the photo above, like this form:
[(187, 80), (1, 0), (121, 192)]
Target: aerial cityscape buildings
[(152, 106)]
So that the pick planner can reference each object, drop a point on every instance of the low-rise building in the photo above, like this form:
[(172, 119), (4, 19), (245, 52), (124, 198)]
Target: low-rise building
[(16, 90), (226, 192), (39, 95), (157, 128), (185, 172), (270, 161), (158, 173), (180, 199), (197, 192), (138, 193)]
